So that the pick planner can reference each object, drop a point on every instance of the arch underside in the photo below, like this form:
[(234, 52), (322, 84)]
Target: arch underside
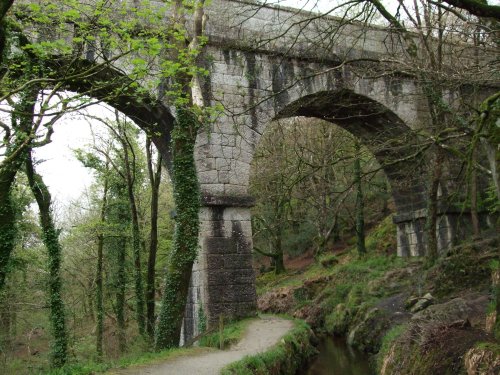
[(114, 88), (391, 141)]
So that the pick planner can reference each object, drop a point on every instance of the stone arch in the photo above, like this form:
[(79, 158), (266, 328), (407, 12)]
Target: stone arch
[(392, 142), (223, 278), (147, 112)]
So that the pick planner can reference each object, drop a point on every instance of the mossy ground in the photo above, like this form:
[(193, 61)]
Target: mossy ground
[(363, 298)]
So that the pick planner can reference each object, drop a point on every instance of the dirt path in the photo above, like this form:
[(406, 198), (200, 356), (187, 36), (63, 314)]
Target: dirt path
[(260, 335)]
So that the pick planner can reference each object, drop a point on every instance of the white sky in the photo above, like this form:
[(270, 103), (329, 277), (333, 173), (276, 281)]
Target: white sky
[(65, 176)]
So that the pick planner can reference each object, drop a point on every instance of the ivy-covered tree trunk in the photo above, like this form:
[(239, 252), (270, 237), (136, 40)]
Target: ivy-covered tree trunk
[(154, 180), (187, 203), (99, 273), (22, 120), (7, 222), (359, 210), (119, 216), (4, 8), (50, 237)]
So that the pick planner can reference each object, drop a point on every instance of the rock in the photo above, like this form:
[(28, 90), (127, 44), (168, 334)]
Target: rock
[(456, 309), (410, 302), (422, 303), (482, 361), (338, 320)]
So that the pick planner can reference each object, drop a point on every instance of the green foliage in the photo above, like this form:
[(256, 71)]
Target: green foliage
[(202, 319), (185, 247), (232, 333)]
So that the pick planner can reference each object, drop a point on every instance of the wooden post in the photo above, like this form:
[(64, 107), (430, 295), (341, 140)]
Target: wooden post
[(221, 332)]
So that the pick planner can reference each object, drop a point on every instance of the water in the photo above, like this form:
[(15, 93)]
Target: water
[(337, 358)]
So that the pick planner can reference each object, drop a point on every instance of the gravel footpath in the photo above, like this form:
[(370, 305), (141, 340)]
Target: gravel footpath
[(260, 336)]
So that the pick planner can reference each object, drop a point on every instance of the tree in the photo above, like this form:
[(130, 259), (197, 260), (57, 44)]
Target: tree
[(305, 182), (432, 44), (184, 176), (128, 171), (154, 181), (99, 267), (24, 79), (121, 153), (277, 172), (50, 236), (360, 217)]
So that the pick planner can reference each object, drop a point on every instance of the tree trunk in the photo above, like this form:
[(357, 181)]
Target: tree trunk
[(5, 319), (4, 7), (187, 203), (360, 218), (476, 230), (154, 179), (7, 222), (50, 238), (185, 181), (136, 235), (99, 274), (432, 208), (22, 124), (120, 294), (279, 265), (99, 299)]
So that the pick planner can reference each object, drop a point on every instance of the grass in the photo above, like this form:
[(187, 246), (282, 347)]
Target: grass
[(350, 266), (387, 342), (491, 346), (126, 361), (232, 333), (383, 238), (286, 357)]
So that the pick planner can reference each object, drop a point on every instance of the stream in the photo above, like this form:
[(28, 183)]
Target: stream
[(337, 358)]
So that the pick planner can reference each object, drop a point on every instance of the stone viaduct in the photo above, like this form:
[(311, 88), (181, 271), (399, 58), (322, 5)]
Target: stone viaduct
[(267, 63), (261, 71)]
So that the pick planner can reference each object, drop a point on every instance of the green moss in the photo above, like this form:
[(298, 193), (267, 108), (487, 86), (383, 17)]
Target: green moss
[(338, 320), (459, 272), (383, 238), (368, 328)]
